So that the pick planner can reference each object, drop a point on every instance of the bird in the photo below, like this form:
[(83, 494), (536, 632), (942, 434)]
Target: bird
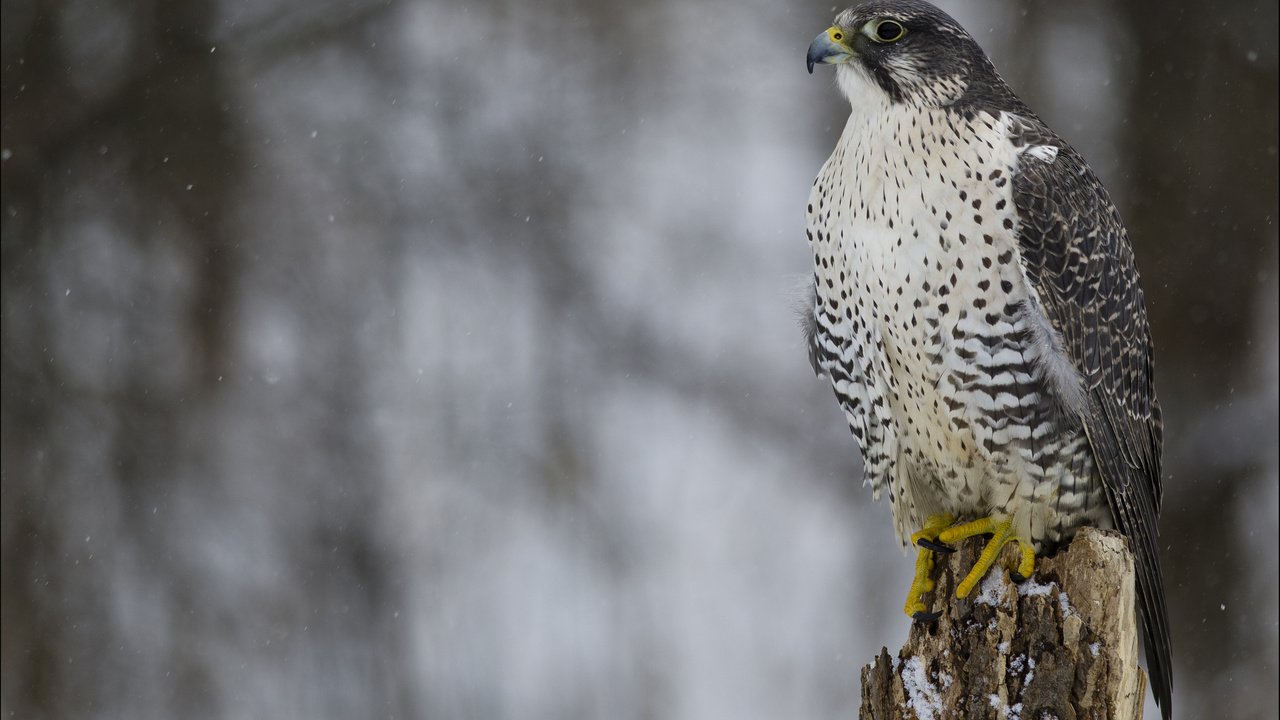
[(977, 308)]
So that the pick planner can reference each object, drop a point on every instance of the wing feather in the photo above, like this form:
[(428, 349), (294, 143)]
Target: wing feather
[(1076, 254)]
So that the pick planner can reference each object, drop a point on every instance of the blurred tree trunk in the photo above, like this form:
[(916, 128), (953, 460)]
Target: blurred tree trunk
[(1215, 237), (1199, 140), (159, 134)]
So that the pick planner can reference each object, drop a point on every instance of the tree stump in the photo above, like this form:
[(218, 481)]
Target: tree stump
[(1063, 644)]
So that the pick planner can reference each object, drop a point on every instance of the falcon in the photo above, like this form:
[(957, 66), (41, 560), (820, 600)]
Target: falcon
[(977, 309)]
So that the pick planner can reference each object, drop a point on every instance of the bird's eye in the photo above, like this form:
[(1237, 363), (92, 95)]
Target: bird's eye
[(888, 31), (837, 35)]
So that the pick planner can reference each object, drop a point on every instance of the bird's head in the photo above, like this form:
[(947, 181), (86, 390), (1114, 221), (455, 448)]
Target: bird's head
[(902, 51)]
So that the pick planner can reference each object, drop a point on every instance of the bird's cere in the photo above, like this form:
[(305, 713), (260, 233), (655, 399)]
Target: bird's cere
[(828, 48)]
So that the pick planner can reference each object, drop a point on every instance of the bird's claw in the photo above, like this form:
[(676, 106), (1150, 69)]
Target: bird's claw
[(934, 545), (926, 538), (1002, 533)]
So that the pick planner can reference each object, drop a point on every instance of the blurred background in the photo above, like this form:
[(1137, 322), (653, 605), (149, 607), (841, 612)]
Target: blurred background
[(419, 359)]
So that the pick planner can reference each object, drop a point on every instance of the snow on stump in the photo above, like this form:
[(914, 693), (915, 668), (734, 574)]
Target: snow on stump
[(1064, 644)]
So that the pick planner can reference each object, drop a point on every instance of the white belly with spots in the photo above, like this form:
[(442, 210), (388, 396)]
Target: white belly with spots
[(920, 313)]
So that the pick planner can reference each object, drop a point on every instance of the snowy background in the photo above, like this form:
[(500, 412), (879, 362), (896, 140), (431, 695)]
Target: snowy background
[(438, 359)]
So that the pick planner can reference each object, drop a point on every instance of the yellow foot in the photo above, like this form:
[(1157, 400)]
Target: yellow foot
[(921, 584), (1002, 534)]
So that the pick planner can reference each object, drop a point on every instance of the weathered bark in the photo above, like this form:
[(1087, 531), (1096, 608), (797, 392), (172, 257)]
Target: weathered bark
[(1063, 645)]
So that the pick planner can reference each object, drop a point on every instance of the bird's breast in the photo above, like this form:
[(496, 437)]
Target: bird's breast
[(913, 230)]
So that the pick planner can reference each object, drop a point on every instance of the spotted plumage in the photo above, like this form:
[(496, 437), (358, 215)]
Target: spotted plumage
[(976, 304)]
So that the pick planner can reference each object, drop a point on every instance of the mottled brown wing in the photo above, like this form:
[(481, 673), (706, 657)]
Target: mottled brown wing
[(1076, 253)]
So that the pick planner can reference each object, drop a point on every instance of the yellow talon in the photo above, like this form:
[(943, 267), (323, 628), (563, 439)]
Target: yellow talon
[(1002, 534), (921, 583)]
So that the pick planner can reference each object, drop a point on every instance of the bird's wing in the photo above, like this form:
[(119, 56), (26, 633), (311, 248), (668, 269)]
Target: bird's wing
[(1076, 255)]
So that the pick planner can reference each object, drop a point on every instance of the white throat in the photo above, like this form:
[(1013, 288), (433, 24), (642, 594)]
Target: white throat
[(863, 93)]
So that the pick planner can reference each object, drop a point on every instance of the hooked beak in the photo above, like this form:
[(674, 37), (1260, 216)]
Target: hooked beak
[(829, 48)]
